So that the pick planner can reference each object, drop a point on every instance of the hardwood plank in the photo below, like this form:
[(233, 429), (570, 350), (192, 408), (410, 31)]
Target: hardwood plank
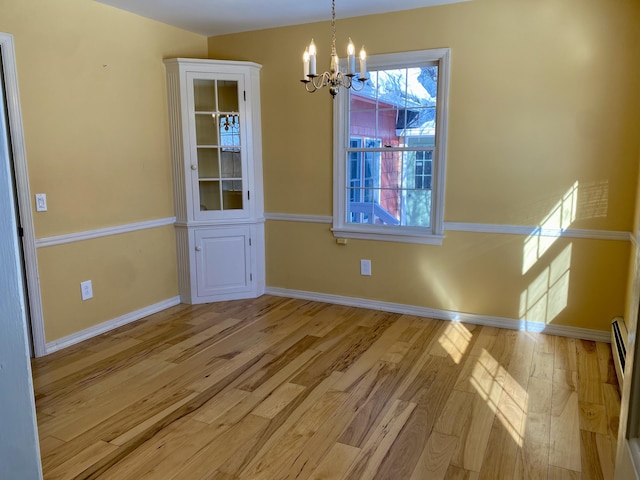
[(591, 466), (52, 375), (593, 418), (565, 354), (287, 422), (606, 455), (165, 443), (564, 448), (556, 473), (278, 400), (336, 463), (220, 405), (605, 362), (589, 380), (282, 456), (611, 398), (233, 442), (49, 443), (373, 452), (436, 455), (454, 418), (439, 374), (532, 458), (82, 461), (373, 353), (456, 473), (504, 440)]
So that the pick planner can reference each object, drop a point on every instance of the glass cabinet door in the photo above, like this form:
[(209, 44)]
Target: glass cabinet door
[(218, 167)]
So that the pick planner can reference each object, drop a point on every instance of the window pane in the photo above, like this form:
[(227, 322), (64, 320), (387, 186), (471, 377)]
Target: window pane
[(418, 208), (386, 126), (366, 98), (392, 87), (405, 101), (359, 211)]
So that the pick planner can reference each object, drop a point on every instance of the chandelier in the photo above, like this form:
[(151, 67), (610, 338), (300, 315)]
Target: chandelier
[(334, 78)]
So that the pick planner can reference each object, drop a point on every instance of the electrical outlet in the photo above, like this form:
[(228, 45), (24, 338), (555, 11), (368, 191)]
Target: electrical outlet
[(365, 267), (86, 289), (41, 202)]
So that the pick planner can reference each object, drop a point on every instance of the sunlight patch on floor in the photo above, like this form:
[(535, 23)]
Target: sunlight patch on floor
[(488, 378), (455, 340)]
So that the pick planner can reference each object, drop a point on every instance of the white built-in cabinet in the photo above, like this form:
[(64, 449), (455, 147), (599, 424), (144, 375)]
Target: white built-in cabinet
[(214, 116)]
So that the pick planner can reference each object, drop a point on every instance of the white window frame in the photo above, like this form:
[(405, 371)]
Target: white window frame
[(434, 234)]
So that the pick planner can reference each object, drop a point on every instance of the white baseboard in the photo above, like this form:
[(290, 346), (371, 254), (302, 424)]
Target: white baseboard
[(109, 325), (486, 320)]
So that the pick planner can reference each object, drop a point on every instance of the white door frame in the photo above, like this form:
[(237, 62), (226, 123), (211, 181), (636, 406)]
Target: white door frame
[(24, 196), (628, 454)]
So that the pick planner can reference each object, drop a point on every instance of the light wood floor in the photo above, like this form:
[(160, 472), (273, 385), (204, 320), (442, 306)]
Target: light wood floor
[(275, 388)]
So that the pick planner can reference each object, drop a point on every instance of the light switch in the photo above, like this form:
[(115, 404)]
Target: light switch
[(41, 202)]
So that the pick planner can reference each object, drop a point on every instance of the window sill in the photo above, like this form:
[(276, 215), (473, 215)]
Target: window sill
[(401, 237)]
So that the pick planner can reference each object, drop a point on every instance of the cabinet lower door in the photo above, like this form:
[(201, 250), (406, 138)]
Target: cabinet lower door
[(223, 262)]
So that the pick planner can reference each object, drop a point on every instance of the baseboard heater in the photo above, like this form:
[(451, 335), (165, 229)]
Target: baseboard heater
[(619, 337)]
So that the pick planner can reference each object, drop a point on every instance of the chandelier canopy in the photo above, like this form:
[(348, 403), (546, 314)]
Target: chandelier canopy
[(334, 78)]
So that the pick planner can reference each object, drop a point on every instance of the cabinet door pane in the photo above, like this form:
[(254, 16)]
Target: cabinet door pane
[(232, 194), (204, 94), (209, 195), (230, 130), (228, 95), (231, 163), (206, 129), (208, 166)]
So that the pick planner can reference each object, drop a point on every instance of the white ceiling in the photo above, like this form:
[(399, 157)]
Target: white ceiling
[(217, 17)]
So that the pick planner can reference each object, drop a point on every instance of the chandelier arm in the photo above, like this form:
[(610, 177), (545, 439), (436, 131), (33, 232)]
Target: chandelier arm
[(309, 89), (361, 81)]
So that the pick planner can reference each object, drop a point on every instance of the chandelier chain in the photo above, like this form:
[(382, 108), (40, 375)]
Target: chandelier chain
[(333, 27)]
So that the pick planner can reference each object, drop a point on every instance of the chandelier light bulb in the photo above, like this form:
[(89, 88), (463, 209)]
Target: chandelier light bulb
[(312, 59), (351, 58), (305, 61)]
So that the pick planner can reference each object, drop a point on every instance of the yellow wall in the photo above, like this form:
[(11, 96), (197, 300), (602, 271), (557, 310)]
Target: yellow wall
[(128, 271), (542, 96), (94, 109)]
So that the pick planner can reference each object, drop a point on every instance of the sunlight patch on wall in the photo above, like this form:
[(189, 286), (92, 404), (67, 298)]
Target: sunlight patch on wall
[(454, 341), (548, 294), (593, 201), (488, 378), (561, 216)]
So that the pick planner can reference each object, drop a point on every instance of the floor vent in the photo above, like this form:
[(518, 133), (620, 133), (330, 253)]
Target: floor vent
[(619, 346)]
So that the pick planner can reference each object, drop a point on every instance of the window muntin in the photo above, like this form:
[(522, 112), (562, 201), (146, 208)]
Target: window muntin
[(390, 149)]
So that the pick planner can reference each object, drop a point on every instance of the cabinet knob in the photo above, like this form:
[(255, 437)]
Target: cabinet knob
[(198, 248), (194, 167)]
